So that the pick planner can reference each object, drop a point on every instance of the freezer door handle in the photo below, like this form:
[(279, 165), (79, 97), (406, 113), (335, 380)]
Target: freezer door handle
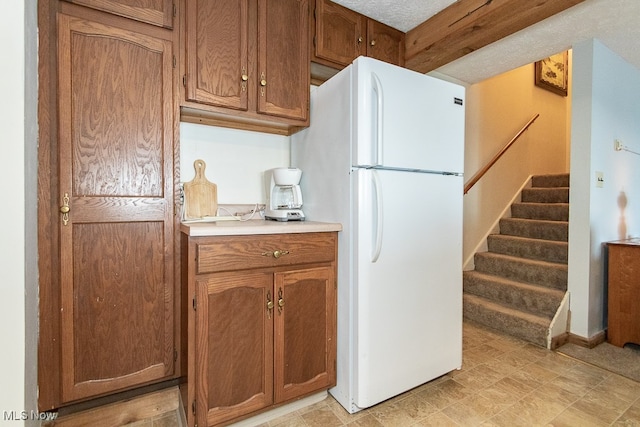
[(377, 88), (377, 210)]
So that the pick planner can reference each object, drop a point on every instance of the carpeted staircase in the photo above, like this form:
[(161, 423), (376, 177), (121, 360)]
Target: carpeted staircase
[(518, 285)]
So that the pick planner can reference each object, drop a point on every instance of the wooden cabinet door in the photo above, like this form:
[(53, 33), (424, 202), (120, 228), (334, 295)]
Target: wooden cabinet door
[(305, 332), (283, 58), (217, 52), (385, 43), (116, 124), (156, 12), (234, 346), (340, 33)]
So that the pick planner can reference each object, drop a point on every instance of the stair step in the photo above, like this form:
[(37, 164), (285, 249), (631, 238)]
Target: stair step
[(544, 211), (518, 285), (551, 180), (549, 274), (545, 195), (535, 228), (521, 296), (524, 247), (526, 326)]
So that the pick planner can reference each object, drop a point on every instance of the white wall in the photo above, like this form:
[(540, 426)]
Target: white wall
[(18, 287), (235, 159), (605, 108), (496, 110)]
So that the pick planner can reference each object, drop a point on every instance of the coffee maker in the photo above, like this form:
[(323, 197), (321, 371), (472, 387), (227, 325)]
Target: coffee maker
[(283, 194)]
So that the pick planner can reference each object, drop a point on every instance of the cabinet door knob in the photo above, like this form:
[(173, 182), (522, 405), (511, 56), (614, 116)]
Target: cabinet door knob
[(263, 82), (270, 304), (372, 43), (244, 77), (280, 301), (360, 39), (65, 209)]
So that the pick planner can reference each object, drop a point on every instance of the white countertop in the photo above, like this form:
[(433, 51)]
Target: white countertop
[(256, 226)]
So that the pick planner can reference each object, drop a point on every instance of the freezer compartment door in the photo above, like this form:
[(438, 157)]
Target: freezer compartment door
[(407, 281), (406, 119)]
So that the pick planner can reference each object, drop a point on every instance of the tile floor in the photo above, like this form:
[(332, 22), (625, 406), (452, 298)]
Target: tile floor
[(503, 382)]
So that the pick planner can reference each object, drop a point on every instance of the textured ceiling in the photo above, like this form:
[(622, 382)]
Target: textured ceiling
[(401, 14), (616, 23)]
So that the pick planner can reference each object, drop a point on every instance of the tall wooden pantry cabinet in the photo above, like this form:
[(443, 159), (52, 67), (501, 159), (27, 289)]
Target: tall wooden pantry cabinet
[(107, 200)]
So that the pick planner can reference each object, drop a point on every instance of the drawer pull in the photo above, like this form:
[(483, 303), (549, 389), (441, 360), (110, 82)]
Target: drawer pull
[(275, 254)]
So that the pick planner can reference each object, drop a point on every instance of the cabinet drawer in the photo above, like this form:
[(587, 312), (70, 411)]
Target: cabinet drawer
[(226, 253)]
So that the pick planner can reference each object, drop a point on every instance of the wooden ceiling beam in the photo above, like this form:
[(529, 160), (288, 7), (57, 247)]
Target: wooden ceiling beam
[(468, 25)]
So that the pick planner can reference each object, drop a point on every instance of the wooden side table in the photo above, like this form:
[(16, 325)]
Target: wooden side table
[(624, 292)]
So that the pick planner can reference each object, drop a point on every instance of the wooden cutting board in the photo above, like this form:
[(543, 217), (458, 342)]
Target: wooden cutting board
[(200, 195)]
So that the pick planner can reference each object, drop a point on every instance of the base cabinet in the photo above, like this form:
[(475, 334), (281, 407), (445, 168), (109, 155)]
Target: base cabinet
[(624, 292), (262, 322)]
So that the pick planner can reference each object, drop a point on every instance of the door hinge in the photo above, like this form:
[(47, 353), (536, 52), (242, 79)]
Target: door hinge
[(184, 80), (175, 10), (193, 408), (175, 61), (175, 355), (195, 304)]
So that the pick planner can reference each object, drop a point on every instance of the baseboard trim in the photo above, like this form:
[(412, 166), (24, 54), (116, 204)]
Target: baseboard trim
[(559, 341), (591, 342), (265, 417)]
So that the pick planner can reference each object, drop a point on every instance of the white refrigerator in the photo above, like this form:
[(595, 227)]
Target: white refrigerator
[(384, 157)]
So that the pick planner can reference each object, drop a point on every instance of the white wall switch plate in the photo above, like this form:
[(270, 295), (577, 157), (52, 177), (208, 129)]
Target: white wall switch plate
[(599, 179)]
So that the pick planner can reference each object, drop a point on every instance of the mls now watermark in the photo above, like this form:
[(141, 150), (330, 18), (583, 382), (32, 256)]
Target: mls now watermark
[(29, 415)]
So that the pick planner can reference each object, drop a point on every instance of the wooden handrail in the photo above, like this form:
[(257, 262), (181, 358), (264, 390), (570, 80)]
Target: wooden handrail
[(495, 158)]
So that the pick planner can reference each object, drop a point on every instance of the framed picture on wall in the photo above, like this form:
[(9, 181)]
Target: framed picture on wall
[(552, 73)]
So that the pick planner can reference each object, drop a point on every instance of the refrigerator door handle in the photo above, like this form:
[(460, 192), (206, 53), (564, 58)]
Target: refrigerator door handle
[(377, 88), (378, 212)]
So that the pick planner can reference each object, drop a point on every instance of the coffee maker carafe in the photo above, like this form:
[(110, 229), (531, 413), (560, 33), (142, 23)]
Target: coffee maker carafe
[(284, 195)]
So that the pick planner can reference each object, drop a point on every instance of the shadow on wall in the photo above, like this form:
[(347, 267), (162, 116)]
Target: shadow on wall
[(622, 226)]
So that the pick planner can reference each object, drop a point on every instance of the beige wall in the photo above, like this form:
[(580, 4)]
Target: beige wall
[(496, 109)]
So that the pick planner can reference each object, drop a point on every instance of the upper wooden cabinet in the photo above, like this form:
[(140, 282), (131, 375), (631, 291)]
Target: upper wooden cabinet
[(340, 35), (217, 39), (283, 58), (247, 63), (385, 43), (156, 12)]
